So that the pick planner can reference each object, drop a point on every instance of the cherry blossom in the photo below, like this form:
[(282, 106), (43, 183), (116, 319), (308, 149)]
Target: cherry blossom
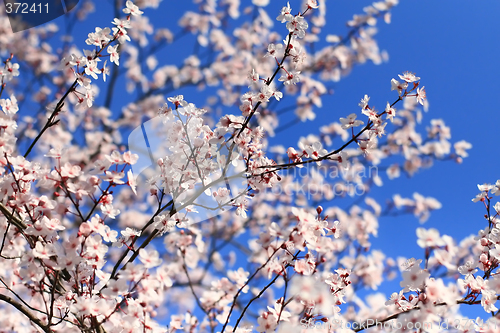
[(273, 49), (429, 238), (312, 4), (396, 85), (132, 9), (210, 226), (421, 95), (297, 26), (150, 259), (285, 14), (113, 54), (290, 77), (408, 77), (350, 121)]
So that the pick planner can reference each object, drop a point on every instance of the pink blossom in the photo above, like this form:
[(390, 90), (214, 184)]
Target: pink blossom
[(132, 9), (202, 215), (408, 77)]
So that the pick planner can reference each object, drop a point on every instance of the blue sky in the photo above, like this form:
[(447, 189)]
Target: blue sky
[(453, 46)]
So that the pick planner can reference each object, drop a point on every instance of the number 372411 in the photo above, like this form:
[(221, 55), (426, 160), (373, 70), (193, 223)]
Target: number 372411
[(25, 8)]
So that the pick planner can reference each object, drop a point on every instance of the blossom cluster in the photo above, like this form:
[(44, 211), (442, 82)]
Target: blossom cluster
[(87, 65)]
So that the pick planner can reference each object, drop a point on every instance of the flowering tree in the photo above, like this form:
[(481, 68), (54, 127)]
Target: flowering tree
[(95, 241)]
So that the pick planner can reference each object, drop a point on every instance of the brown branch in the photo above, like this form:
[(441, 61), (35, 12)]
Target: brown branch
[(366, 324), (25, 311), (11, 218)]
